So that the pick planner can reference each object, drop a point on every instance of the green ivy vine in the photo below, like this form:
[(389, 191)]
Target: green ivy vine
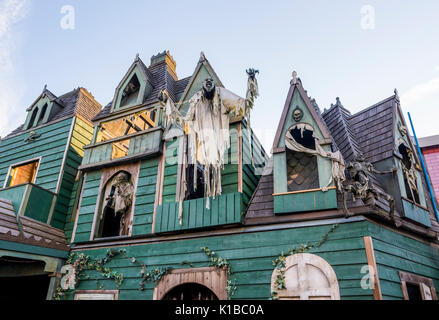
[(221, 263), (279, 262), (81, 263)]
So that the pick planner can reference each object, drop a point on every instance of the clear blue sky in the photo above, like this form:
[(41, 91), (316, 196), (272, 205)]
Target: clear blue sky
[(322, 40)]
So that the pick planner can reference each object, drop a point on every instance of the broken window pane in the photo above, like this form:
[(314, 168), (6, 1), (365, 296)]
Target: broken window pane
[(127, 125)]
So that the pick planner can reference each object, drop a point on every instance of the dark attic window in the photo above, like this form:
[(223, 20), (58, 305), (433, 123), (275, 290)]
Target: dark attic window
[(42, 114), (407, 164), (302, 170), (191, 191), (130, 92), (32, 118)]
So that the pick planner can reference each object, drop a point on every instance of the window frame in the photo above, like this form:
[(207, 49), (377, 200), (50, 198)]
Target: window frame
[(114, 293), (416, 280), (22, 163)]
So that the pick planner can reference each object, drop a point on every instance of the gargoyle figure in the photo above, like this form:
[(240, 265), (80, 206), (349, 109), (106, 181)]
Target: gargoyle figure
[(32, 136), (360, 187)]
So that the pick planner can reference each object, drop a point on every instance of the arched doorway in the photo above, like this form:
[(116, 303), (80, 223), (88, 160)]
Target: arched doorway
[(190, 291), (307, 277), (208, 283)]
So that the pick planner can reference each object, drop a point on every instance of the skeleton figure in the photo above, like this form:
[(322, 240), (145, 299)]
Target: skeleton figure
[(360, 187), (118, 201)]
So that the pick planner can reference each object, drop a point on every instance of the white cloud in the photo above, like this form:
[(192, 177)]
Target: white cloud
[(11, 12), (436, 68), (420, 91), (422, 102)]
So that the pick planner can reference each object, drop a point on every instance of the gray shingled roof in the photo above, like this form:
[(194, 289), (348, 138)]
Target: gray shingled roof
[(161, 79), (67, 101)]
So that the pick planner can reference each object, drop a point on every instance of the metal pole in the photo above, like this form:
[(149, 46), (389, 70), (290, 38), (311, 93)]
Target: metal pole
[(424, 168)]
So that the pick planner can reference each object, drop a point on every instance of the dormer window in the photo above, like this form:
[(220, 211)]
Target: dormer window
[(32, 118), (131, 92), (134, 87), (42, 114), (302, 167)]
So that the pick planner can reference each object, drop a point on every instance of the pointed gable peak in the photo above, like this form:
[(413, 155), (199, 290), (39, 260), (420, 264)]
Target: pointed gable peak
[(298, 99)]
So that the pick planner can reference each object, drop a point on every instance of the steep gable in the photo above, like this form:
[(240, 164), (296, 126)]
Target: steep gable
[(298, 99)]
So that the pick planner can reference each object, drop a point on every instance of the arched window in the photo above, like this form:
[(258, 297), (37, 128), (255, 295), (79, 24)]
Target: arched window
[(42, 114), (307, 277), (32, 118), (302, 167), (116, 206)]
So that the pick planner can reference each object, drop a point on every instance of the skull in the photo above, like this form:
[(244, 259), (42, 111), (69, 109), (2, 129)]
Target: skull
[(297, 114)]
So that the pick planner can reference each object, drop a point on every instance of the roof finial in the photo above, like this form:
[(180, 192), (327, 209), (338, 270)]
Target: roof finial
[(45, 87), (294, 77), (337, 101), (202, 56), (137, 57)]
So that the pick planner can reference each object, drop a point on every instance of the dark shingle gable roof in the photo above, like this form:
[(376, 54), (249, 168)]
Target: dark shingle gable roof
[(68, 101), (161, 80)]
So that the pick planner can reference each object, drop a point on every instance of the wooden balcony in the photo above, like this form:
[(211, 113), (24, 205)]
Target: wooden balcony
[(30, 200), (225, 209), (135, 146), (303, 201), (416, 213)]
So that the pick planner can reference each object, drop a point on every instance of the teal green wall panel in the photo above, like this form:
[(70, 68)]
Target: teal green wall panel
[(306, 201), (250, 255)]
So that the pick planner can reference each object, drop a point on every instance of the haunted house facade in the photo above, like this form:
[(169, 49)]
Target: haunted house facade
[(340, 210)]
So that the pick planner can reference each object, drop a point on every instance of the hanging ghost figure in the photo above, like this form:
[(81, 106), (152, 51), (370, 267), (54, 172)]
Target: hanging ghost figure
[(207, 125)]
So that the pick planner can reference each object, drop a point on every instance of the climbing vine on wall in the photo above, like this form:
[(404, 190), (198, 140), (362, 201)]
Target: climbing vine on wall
[(81, 263), (279, 262), (221, 263)]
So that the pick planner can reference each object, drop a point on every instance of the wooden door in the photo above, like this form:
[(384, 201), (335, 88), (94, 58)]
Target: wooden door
[(307, 277)]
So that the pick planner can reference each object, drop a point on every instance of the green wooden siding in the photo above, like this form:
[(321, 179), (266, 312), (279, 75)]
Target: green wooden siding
[(250, 255), (224, 209), (251, 172), (81, 136), (170, 172), (50, 146), (305, 201), (415, 213), (145, 197), (88, 206), (395, 252)]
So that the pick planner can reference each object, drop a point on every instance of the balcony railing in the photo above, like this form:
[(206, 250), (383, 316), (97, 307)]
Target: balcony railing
[(31, 201), (135, 146), (223, 210), (416, 213)]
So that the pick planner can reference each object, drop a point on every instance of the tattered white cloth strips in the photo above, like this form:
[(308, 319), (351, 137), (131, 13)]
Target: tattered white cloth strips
[(207, 126), (338, 164)]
